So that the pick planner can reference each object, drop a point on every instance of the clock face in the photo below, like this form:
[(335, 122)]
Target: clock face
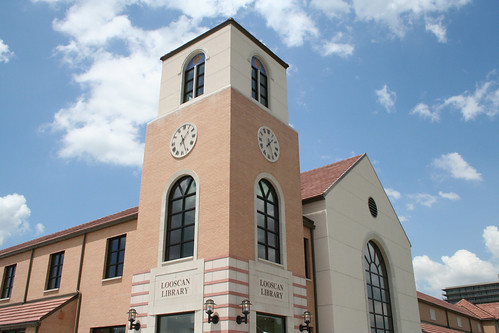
[(183, 140), (269, 146)]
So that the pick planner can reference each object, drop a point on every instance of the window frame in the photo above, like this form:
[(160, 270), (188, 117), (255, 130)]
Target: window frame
[(54, 272), (185, 228), (193, 87), (265, 229), (115, 265), (260, 315), (378, 286), (110, 329), (259, 82), (184, 314), (8, 280)]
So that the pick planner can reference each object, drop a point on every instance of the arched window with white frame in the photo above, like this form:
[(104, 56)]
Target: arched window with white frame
[(268, 229), (181, 219), (259, 82), (194, 78), (378, 290)]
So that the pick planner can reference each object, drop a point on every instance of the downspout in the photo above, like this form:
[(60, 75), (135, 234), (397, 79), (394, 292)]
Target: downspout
[(78, 282), (29, 276), (316, 307)]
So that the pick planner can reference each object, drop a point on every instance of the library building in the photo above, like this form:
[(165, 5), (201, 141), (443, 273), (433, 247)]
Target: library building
[(228, 235)]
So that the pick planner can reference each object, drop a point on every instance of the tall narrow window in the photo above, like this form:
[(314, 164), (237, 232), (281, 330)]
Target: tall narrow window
[(378, 292), (181, 219), (259, 88), (8, 280), (268, 222), (115, 256), (307, 259), (194, 78), (55, 270)]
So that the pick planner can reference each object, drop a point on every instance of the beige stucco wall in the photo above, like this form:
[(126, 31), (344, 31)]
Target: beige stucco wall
[(343, 229), (61, 321), (22, 261), (228, 56)]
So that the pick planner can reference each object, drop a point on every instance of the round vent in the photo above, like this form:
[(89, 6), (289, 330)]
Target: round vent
[(372, 207)]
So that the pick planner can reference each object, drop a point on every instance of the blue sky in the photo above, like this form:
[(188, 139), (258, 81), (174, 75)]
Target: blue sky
[(414, 84)]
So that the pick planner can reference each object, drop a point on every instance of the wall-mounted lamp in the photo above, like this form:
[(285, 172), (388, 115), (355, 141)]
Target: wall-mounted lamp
[(307, 317), (209, 306), (245, 304), (132, 314)]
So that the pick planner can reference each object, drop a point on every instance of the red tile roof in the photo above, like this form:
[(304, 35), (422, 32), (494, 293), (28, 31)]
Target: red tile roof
[(491, 308), (443, 304), (479, 312), (315, 183), (429, 328), (119, 217), (33, 312)]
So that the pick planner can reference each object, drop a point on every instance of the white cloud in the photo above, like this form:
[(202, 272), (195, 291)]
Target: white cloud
[(464, 267), (484, 100), (332, 8), (5, 53), (393, 194), (119, 89), (457, 167), (208, 8), (424, 111), (491, 237), (14, 215), (398, 16), (288, 19), (423, 199), (386, 98), (449, 195), (334, 46), (435, 26)]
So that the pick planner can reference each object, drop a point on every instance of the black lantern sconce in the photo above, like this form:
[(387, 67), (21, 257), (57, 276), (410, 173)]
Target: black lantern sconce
[(307, 317), (209, 306), (132, 314), (245, 304)]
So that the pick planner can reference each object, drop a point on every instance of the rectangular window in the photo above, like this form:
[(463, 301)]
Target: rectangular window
[(270, 324), (433, 315), (111, 329), (115, 256), (8, 280), (459, 323), (55, 270), (178, 323), (307, 261)]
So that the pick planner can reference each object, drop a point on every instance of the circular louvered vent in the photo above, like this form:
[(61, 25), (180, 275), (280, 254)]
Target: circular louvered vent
[(372, 207)]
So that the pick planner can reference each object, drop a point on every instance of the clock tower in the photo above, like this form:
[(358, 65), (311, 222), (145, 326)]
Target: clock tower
[(220, 212)]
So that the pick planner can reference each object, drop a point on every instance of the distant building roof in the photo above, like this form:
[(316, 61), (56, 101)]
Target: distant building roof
[(316, 183)]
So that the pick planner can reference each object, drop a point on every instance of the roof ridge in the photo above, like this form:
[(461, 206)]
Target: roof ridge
[(327, 165)]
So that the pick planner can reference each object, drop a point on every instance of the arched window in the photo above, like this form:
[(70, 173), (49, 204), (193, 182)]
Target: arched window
[(259, 88), (378, 291), (194, 78), (267, 212), (181, 218)]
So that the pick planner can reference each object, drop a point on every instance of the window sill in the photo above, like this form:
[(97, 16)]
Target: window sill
[(51, 291), (113, 279), (265, 261), (4, 299), (176, 261)]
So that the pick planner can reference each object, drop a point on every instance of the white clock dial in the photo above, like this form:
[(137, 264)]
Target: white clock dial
[(269, 146), (183, 140)]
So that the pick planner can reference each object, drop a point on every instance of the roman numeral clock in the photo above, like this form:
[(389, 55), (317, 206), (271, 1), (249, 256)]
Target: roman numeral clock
[(269, 146), (183, 140)]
